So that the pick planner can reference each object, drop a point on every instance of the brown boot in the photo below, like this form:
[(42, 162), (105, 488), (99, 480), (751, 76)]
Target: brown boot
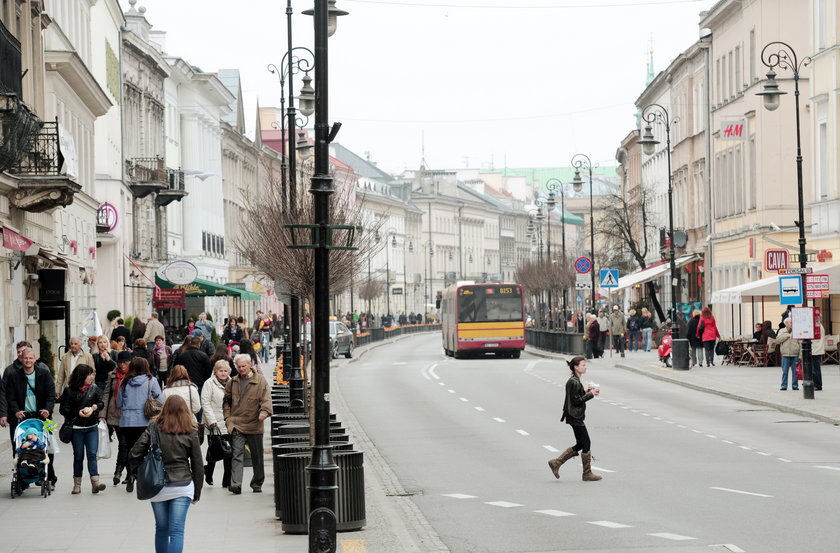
[(77, 485), (555, 464), (95, 485), (588, 475)]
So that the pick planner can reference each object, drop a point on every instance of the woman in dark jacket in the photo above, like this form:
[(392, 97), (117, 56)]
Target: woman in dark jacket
[(767, 333), (695, 343), (176, 433), (574, 412), (81, 403), (232, 332), (141, 350), (222, 354), (103, 362)]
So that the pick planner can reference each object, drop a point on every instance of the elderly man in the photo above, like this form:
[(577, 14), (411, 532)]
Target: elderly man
[(74, 356), (204, 325), (153, 328), (247, 403), (617, 328)]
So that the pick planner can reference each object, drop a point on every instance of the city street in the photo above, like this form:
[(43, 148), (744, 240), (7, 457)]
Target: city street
[(683, 470)]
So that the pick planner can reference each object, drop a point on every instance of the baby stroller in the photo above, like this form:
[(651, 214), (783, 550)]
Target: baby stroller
[(30, 463)]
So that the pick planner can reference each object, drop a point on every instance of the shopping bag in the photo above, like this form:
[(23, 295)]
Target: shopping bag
[(104, 449), (799, 369), (218, 448)]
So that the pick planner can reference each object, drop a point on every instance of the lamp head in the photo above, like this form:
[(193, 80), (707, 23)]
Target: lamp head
[(393, 241), (648, 142), (304, 148), (771, 92), (332, 16), (306, 99), (577, 182), (551, 202)]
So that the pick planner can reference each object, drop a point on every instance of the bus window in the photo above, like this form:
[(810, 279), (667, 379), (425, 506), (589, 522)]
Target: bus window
[(481, 306)]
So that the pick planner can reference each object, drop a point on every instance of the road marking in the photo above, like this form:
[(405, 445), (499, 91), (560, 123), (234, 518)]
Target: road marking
[(674, 537), (463, 399), (531, 365), (697, 431), (353, 546), (741, 492), (669, 422), (782, 459), (400, 363), (767, 454), (730, 546), (745, 447), (523, 432), (645, 415), (451, 391), (505, 504), (553, 513), (681, 426), (657, 418), (459, 496), (712, 436), (728, 442), (826, 467), (497, 419), (608, 524), (442, 383), (479, 408), (432, 372), (602, 469), (552, 449), (625, 407)]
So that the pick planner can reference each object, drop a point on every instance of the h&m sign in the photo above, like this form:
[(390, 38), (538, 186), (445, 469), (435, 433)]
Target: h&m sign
[(734, 129)]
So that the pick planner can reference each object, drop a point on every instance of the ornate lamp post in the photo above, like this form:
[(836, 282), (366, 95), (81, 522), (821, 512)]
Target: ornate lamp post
[(785, 58), (430, 247), (655, 113), (552, 185), (549, 207), (582, 161)]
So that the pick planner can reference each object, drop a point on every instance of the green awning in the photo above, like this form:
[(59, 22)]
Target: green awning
[(200, 287)]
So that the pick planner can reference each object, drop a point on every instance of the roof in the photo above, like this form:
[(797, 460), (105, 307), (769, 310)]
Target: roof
[(538, 176), (362, 166)]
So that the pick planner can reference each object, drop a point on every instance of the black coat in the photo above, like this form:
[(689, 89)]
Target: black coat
[(72, 401), (576, 398), (121, 331), (17, 383), (197, 364), (102, 366), (232, 334), (691, 332)]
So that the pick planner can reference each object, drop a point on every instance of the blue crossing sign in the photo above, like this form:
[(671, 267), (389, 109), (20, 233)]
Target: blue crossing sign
[(609, 278)]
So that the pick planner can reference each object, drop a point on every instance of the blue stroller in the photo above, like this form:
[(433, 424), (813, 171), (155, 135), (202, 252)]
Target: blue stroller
[(30, 457)]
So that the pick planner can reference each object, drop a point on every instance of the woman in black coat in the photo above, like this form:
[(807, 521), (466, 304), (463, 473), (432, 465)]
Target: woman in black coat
[(695, 343), (81, 403), (574, 412)]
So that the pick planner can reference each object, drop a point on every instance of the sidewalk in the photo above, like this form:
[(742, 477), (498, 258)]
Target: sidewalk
[(755, 385)]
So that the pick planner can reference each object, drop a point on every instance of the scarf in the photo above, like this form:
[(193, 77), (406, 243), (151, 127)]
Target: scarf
[(85, 387), (120, 375)]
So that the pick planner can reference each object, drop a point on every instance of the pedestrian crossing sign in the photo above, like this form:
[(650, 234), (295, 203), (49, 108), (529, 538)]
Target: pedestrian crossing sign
[(609, 278)]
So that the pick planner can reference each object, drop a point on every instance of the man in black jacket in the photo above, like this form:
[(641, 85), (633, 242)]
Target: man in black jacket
[(121, 330), (196, 362)]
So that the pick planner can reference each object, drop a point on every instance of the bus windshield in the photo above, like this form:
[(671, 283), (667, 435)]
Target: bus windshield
[(489, 304)]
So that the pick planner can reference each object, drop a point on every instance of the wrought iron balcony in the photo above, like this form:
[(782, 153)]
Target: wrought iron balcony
[(175, 189), (145, 175)]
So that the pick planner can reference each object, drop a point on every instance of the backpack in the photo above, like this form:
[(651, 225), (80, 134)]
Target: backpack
[(633, 323), (722, 348)]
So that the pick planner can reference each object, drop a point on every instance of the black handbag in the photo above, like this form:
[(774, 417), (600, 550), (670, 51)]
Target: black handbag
[(151, 474), (65, 433), (218, 448)]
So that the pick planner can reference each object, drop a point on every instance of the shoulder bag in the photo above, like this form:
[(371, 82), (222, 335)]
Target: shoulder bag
[(151, 474), (152, 407), (65, 433), (218, 448)]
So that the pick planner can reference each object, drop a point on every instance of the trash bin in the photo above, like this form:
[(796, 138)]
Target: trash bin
[(679, 354)]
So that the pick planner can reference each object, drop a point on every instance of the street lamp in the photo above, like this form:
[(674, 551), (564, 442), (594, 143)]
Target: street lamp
[(551, 185), (655, 113), (429, 275), (785, 58), (582, 161), (549, 205)]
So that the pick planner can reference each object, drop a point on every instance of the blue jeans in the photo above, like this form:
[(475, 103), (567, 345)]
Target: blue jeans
[(789, 364), (634, 340), (170, 518), (265, 340), (647, 338), (85, 439)]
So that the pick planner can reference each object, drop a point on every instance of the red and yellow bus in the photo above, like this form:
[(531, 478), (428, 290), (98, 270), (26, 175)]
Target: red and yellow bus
[(483, 318)]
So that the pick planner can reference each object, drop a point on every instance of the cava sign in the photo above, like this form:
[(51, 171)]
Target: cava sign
[(775, 260)]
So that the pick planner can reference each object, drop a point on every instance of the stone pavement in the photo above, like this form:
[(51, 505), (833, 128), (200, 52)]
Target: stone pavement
[(754, 385)]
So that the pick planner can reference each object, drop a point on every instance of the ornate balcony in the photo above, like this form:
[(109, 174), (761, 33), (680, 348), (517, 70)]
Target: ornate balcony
[(145, 175), (175, 189)]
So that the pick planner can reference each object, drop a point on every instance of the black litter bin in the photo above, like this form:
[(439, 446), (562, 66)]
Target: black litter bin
[(679, 354)]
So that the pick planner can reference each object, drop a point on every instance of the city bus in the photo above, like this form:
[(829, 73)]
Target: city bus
[(483, 318)]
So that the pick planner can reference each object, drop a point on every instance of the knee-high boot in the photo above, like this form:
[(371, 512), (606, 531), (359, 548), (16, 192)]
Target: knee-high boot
[(555, 464), (588, 475)]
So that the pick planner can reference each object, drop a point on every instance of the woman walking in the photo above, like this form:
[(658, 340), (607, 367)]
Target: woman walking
[(707, 331), (646, 326), (176, 434), (103, 362), (162, 357), (212, 395), (574, 412), (81, 403), (111, 413), (694, 342), (138, 386), (179, 384), (221, 354)]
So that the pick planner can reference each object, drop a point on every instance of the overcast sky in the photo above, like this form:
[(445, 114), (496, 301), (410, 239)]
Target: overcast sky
[(472, 83)]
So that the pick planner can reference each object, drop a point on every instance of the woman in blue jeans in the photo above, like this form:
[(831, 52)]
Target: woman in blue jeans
[(81, 403), (177, 435)]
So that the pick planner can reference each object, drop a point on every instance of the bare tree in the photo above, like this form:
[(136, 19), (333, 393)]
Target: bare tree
[(370, 290), (540, 276), (624, 225)]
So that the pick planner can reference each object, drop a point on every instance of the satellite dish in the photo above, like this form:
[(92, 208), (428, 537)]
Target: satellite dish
[(680, 239), (180, 272)]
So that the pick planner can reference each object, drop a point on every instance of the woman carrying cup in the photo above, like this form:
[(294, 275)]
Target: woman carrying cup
[(574, 412)]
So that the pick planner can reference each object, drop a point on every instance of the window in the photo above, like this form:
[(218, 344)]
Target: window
[(822, 150), (739, 84), (753, 76), (753, 177)]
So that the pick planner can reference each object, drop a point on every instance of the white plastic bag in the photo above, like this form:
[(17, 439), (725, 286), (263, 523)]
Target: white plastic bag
[(104, 449)]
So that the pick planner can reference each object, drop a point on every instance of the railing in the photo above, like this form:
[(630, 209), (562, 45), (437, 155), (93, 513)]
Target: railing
[(42, 157), (555, 341), (175, 179), (379, 334), (146, 169)]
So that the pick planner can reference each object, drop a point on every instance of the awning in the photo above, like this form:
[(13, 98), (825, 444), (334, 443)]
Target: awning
[(650, 273), (768, 288), (200, 287)]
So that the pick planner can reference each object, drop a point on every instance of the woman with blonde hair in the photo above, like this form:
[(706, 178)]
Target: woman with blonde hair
[(103, 362), (175, 430), (179, 384), (212, 397)]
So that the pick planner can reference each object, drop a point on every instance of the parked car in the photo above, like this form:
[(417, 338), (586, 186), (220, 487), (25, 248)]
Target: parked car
[(341, 339)]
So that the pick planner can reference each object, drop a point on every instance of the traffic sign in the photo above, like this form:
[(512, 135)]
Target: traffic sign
[(583, 285), (609, 278), (817, 286), (797, 271), (790, 290), (775, 259), (583, 264)]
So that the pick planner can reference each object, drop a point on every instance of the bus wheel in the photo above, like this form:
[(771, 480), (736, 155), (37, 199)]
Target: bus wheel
[(457, 355), (516, 354)]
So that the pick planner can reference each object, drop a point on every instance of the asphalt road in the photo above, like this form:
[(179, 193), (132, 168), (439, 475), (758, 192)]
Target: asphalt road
[(683, 470)]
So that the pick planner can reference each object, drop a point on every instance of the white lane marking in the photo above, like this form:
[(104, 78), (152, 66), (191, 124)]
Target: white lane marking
[(400, 363), (625, 407), (681, 426), (741, 492), (497, 419), (431, 372), (479, 408), (669, 536), (451, 391), (459, 496), (551, 449), (767, 454), (669, 422), (505, 504), (730, 546), (645, 415), (531, 365), (745, 447), (712, 436), (826, 467), (657, 418), (553, 513), (442, 383), (727, 442), (608, 524), (463, 399), (522, 432), (782, 459), (697, 431), (602, 469)]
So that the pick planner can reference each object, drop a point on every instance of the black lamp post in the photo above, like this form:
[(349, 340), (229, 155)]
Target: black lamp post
[(655, 113), (429, 275), (582, 161), (536, 235), (549, 207), (551, 185), (322, 469), (785, 58)]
